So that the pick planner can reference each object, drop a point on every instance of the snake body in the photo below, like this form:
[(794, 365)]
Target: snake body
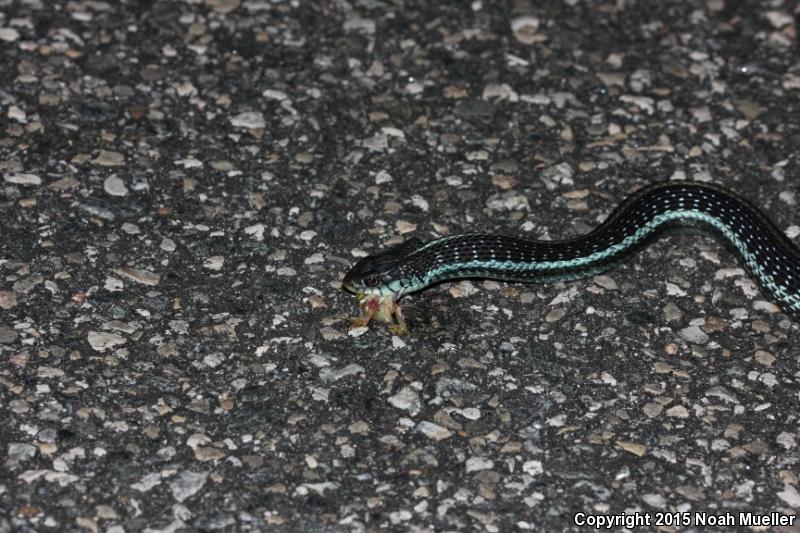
[(767, 254)]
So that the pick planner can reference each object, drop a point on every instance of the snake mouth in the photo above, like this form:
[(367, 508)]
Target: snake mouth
[(349, 287)]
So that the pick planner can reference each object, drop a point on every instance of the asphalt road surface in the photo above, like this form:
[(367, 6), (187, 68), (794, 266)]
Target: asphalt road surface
[(185, 183)]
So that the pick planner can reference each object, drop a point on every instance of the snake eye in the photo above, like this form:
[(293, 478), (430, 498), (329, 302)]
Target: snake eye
[(372, 281)]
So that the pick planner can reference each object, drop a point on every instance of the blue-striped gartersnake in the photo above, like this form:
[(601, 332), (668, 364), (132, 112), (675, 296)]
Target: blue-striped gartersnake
[(379, 281)]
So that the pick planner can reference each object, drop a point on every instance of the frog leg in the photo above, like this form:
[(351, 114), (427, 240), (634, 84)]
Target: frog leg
[(400, 328)]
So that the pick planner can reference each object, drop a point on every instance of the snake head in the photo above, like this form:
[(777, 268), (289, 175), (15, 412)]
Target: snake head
[(380, 274)]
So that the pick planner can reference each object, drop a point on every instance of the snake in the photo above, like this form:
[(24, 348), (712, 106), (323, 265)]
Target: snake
[(379, 281)]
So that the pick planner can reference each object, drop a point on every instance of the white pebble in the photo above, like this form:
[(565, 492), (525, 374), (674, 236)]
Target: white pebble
[(214, 262), (250, 120), (476, 464), (8, 35), (115, 186), (471, 413), (23, 178)]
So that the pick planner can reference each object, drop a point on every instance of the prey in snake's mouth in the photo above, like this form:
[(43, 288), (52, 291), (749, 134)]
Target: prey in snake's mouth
[(382, 308)]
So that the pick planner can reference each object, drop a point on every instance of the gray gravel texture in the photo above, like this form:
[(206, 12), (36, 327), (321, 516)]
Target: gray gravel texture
[(184, 184)]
